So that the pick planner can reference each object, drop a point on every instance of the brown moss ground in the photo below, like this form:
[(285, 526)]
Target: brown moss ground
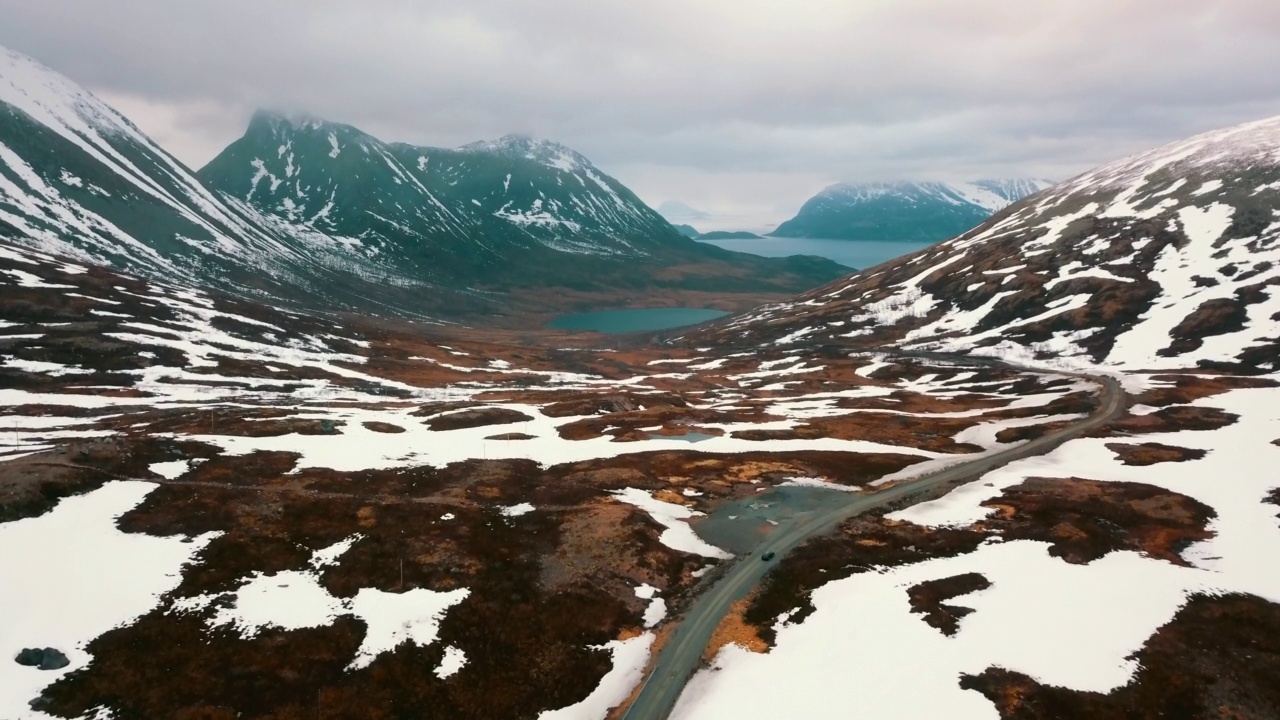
[(220, 420), (1218, 658), (1189, 388), (626, 426), (603, 403), (734, 630), (1030, 432), (32, 485), (1086, 519), (722, 476), (929, 599), (1150, 453), (529, 639), (923, 433), (477, 417), (1174, 418)]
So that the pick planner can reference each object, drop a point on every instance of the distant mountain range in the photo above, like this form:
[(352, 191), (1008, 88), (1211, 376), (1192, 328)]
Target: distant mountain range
[(907, 211), (324, 215), (728, 235), (680, 212)]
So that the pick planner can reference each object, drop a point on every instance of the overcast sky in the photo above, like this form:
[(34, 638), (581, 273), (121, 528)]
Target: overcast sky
[(740, 107)]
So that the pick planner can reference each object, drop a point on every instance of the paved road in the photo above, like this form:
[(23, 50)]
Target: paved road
[(682, 654)]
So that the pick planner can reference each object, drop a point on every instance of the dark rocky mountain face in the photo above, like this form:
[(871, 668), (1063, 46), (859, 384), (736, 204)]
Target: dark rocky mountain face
[(906, 211), (1166, 259)]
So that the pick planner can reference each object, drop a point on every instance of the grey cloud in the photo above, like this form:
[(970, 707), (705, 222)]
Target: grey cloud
[(699, 101)]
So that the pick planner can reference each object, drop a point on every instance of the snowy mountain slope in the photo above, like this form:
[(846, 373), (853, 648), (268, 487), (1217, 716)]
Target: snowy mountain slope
[(1166, 259), (914, 211), (70, 161), (79, 179)]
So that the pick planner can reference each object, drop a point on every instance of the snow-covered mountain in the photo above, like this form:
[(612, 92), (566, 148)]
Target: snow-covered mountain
[(77, 178), (327, 216), (448, 214), (1165, 259), (909, 211)]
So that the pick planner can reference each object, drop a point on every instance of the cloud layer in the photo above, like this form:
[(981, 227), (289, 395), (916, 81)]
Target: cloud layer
[(741, 106)]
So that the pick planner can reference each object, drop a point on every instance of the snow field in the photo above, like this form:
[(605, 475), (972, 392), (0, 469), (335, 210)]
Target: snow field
[(70, 575), (295, 599)]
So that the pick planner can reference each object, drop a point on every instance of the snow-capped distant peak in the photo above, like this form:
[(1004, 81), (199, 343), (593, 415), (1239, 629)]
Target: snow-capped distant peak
[(990, 195), (284, 124), (547, 152)]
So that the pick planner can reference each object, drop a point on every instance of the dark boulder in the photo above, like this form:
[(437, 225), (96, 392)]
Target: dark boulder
[(43, 658)]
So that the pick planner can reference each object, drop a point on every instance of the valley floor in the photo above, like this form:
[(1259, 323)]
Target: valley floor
[(215, 509)]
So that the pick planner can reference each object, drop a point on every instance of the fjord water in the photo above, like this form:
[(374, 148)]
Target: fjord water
[(860, 254), (626, 321)]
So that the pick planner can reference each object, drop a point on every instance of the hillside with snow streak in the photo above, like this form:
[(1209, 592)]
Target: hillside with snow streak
[(79, 179), (1165, 259)]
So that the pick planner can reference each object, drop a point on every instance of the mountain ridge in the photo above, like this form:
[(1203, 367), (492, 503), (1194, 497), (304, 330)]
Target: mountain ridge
[(77, 178), (923, 211)]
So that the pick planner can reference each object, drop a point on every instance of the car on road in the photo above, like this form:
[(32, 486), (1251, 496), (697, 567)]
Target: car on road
[(767, 556)]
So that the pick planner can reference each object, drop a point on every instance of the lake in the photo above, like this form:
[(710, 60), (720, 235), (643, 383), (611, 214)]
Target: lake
[(858, 254), (627, 321)]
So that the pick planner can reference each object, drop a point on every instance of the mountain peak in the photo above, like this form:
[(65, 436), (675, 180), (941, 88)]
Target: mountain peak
[(277, 122), (990, 194), (919, 211), (547, 152)]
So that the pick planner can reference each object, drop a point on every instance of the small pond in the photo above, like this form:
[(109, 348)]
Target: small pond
[(628, 321)]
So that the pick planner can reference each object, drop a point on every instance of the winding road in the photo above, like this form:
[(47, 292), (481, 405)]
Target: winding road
[(682, 653)]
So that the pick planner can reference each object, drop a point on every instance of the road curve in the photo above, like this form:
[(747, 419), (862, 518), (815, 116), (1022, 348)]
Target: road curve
[(682, 654)]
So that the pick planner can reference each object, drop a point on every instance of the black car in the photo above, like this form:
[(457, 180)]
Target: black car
[(767, 556)]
